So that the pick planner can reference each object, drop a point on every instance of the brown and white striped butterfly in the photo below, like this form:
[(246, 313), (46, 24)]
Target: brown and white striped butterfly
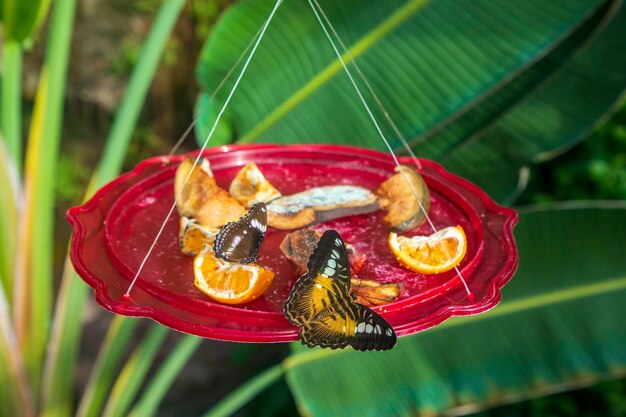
[(321, 305), (240, 241)]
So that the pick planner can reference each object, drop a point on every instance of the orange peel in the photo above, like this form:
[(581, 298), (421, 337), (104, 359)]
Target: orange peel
[(229, 282)]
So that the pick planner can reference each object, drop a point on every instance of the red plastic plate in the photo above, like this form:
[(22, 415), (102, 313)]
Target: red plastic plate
[(114, 230)]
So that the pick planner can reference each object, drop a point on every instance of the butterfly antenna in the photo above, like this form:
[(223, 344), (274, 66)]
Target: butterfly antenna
[(359, 286), (317, 10)]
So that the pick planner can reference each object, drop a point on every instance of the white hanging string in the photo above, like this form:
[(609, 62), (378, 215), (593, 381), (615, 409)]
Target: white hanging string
[(378, 101), (203, 107), (313, 4), (204, 145)]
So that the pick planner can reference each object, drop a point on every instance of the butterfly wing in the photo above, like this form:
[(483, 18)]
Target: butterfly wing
[(356, 326), (240, 241), (327, 279)]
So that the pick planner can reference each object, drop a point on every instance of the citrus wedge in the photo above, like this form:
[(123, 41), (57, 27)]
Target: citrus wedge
[(439, 252), (229, 282)]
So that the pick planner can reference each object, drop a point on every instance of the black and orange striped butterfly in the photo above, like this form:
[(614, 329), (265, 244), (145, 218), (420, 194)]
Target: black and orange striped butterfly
[(320, 303)]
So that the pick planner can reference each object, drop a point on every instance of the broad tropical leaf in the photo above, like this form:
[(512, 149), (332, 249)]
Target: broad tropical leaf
[(457, 77), (560, 323), (558, 115)]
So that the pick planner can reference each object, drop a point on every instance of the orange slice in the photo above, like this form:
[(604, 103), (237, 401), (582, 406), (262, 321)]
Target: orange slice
[(229, 282), (439, 252)]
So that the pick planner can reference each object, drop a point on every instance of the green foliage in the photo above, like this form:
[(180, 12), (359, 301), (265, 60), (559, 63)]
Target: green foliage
[(608, 396), (204, 12), (126, 59), (21, 18), (594, 170), (9, 216), (39, 346), (71, 179)]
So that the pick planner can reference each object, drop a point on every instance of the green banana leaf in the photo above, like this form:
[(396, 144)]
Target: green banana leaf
[(560, 114), (559, 325), (486, 87), (21, 18)]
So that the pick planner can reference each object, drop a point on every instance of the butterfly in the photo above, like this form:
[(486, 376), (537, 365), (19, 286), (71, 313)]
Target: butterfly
[(240, 241), (321, 305)]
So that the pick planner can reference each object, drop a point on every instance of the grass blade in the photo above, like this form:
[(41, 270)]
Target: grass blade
[(8, 219), (15, 394), (154, 393), (11, 105), (238, 398), (106, 366), (132, 376), (63, 352)]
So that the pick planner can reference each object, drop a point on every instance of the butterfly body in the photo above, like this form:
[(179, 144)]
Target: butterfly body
[(320, 303), (240, 241)]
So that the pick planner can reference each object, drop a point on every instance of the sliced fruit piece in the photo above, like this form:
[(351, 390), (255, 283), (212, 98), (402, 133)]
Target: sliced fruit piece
[(299, 245), (202, 199), (398, 198), (250, 186), (373, 293), (320, 204), (439, 252), (192, 237), (228, 282)]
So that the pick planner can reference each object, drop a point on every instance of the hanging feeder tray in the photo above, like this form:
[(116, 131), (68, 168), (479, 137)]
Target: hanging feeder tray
[(114, 230)]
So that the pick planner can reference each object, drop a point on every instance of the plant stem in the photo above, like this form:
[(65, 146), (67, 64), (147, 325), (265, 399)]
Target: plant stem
[(239, 397), (11, 105)]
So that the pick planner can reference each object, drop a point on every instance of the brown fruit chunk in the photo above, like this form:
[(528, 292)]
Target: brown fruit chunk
[(373, 293), (299, 245), (202, 199), (320, 204), (398, 199)]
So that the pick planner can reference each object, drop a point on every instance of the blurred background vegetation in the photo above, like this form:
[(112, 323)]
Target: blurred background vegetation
[(103, 110)]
